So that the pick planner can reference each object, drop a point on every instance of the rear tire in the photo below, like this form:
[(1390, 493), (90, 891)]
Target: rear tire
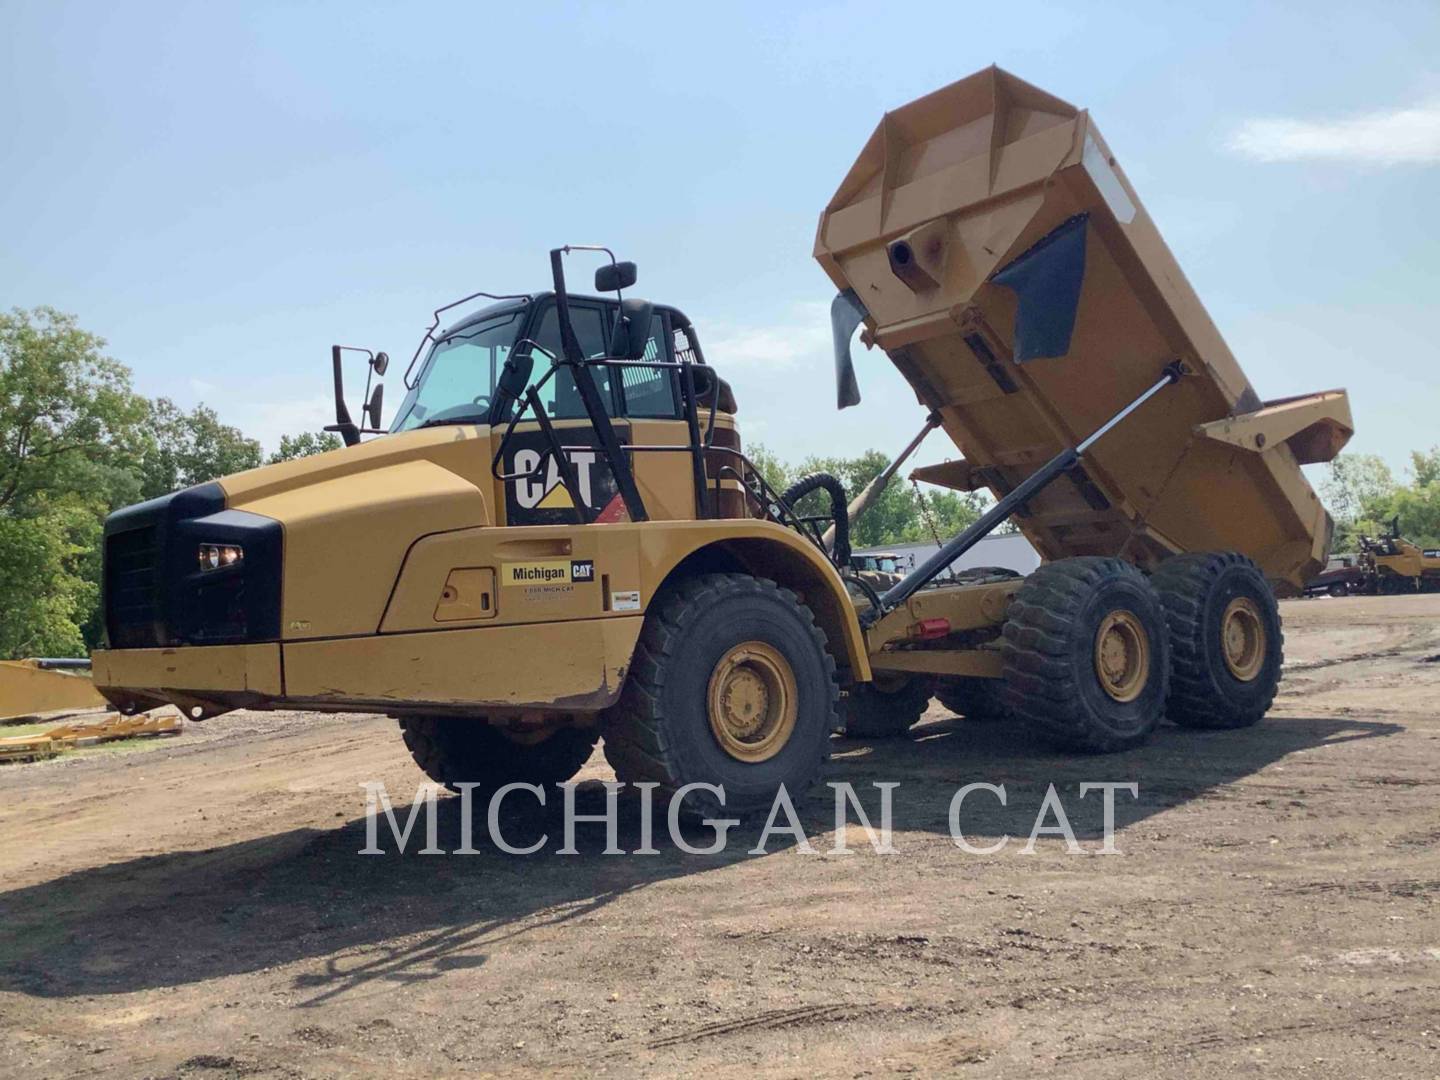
[(732, 685), (885, 708), (1225, 639), (1086, 655), (460, 750), (977, 700)]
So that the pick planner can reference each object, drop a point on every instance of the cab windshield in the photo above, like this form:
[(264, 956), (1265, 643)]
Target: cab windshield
[(458, 380)]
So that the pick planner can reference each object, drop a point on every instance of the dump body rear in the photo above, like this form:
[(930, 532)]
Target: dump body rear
[(1011, 273)]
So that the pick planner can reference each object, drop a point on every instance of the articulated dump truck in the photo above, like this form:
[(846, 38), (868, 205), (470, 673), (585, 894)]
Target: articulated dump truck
[(559, 538)]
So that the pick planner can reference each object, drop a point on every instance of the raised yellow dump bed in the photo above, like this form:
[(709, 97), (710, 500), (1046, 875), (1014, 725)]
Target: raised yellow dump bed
[(1008, 268)]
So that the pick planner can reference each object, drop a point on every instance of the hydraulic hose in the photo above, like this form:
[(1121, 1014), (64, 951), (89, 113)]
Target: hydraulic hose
[(836, 490)]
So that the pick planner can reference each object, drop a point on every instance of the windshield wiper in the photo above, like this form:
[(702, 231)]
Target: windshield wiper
[(442, 421)]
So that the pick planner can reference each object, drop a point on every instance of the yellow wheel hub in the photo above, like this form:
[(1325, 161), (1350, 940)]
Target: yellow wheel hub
[(1242, 638), (752, 702), (1122, 656)]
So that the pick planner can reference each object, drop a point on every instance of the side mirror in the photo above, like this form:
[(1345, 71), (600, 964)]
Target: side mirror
[(615, 277), (632, 329), (514, 377), (376, 403), (379, 362)]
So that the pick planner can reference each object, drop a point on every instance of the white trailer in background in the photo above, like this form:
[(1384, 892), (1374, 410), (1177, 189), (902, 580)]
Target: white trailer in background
[(1008, 550)]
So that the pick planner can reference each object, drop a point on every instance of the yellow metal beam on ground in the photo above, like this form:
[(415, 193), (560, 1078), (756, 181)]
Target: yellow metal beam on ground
[(108, 728)]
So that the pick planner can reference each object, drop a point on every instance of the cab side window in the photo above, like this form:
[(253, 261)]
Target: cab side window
[(650, 392), (560, 396)]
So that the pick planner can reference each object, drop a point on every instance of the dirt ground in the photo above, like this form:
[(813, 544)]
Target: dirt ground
[(199, 907)]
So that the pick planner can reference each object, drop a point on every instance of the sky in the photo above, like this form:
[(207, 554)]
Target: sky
[(222, 191)]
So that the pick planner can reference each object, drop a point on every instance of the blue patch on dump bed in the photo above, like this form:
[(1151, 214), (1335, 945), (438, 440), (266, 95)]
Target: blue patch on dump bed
[(1046, 280)]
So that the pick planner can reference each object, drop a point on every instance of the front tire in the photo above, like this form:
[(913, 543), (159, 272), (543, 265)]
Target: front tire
[(1225, 637), (460, 750), (1086, 656), (732, 685)]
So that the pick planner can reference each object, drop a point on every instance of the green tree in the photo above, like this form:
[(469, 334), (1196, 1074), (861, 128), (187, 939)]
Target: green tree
[(775, 471), (47, 588), (72, 432), (304, 445), (901, 513), (1416, 505), (69, 421), (944, 514), (191, 448), (1356, 489), (1425, 464), (1418, 508)]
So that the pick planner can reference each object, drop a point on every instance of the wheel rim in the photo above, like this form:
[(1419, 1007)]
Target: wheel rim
[(1242, 638), (1122, 655), (752, 702)]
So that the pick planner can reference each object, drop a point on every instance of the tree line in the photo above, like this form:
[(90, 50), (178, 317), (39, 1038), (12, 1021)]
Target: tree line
[(903, 513), (77, 441), (1364, 496)]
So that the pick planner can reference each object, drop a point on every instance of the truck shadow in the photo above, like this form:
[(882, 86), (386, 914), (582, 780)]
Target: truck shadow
[(307, 895)]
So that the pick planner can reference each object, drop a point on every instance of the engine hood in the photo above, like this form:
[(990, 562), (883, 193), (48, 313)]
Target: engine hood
[(350, 516), (463, 449)]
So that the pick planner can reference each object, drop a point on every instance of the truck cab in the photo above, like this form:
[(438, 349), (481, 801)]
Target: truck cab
[(458, 382), (321, 583)]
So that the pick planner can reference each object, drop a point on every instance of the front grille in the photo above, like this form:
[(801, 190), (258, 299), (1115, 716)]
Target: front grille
[(156, 595), (131, 577)]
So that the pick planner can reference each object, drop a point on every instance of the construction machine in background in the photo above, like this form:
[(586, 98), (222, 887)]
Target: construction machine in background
[(881, 569), (1393, 565), (559, 538)]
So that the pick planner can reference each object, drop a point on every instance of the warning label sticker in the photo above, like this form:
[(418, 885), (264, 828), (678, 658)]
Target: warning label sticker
[(547, 572)]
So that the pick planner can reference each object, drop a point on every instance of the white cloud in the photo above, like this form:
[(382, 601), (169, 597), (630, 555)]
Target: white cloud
[(784, 345), (1388, 137)]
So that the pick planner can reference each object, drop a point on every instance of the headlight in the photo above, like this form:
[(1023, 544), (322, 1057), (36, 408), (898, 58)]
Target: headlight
[(219, 556)]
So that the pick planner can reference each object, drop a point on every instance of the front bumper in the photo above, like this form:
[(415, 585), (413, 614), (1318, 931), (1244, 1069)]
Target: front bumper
[(214, 678), (562, 667)]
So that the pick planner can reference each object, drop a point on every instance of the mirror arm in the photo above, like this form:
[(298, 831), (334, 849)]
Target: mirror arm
[(349, 431), (569, 345), (590, 396)]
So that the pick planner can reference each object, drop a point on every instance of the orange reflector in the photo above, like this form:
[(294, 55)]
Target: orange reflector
[(929, 629)]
